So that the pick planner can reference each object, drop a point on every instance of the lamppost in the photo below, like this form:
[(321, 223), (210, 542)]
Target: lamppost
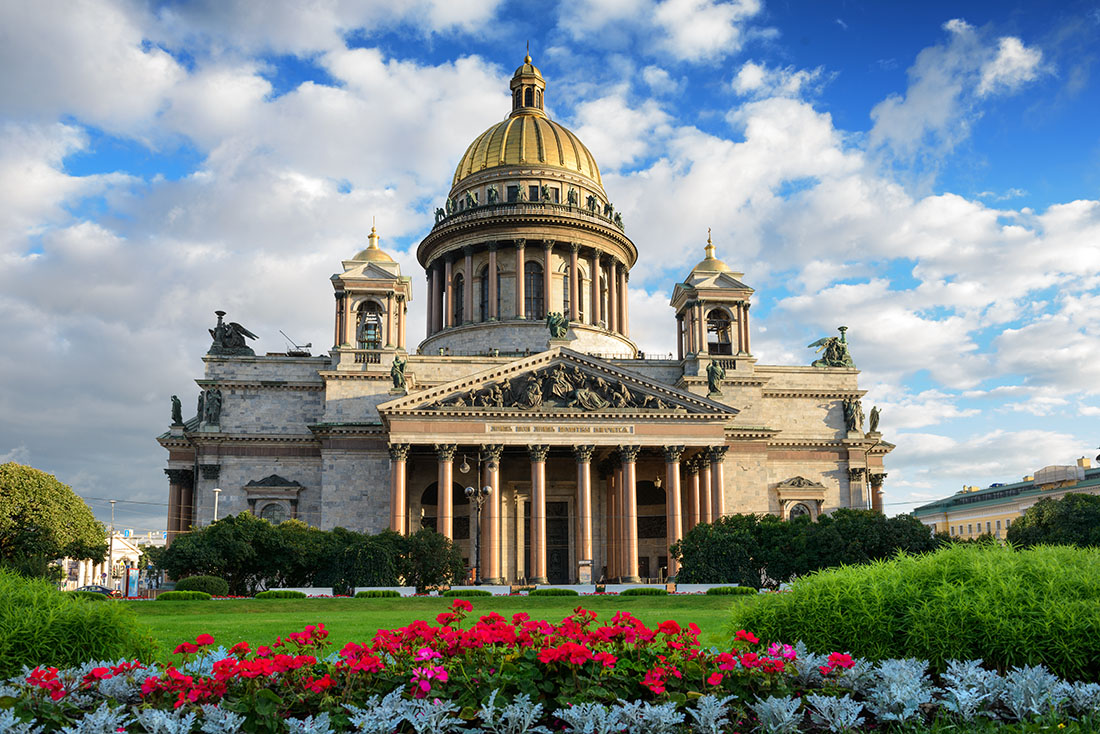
[(111, 552), (217, 491), (478, 497)]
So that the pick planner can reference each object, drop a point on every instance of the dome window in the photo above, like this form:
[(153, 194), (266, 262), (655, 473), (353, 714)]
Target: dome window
[(513, 194), (459, 292), (534, 301)]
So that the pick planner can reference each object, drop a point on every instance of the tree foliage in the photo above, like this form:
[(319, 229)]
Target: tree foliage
[(1072, 520), (252, 554), (764, 550), (42, 519)]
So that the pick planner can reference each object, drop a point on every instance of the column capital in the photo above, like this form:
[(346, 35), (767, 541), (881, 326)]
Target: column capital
[(855, 473), (673, 454), (399, 451), (548, 244), (210, 471), (583, 453), (492, 453), (692, 465), (520, 244), (715, 454), (179, 476), (575, 246), (877, 478), (400, 297), (492, 245), (538, 452), (468, 250), (746, 305), (445, 451), (629, 454)]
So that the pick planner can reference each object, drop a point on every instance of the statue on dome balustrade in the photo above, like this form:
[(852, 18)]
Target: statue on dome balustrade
[(558, 325), (592, 203), (492, 195), (572, 197)]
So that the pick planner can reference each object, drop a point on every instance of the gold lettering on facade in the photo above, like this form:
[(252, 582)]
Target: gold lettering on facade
[(541, 428)]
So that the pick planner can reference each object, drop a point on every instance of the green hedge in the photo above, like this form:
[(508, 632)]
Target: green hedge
[(467, 592), (553, 592), (377, 594), (212, 585), (281, 594), (1007, 607), (86, 595), (184, 596), (730, 591), (644, 591), (41, 626)]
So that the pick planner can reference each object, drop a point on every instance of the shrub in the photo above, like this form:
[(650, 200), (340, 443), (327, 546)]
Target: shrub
[(86, 595), (212, 585), (1007, 607), (466, 592), (553, 592), (40, 625), (281, 594), (644, 591), (377, 594), (730, 590), (184, 596), (1072, 520)]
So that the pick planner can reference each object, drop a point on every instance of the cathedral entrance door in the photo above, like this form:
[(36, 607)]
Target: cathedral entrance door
[(557, 542)]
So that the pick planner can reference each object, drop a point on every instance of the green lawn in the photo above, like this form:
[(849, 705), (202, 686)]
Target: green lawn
[(259, 622)]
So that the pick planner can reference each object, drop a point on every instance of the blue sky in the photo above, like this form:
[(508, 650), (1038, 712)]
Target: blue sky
[(926, 173)]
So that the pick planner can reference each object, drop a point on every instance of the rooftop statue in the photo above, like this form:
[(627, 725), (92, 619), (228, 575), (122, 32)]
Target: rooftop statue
[(558, 325), (397, 372), (875, 415), (492, 196), (715, 373), (835, 351), (853, 415), (177, 411), (229, 339)]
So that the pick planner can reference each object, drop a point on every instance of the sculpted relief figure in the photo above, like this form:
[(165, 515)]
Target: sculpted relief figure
[(228, 339), (853, 415), (532, 393), (835, 351), (558, 325)]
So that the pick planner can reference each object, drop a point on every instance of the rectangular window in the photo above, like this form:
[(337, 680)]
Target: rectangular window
[(1008, 523), (555, 196), (533, 193), (998, 526), (951, 528), (513, 194), (988, 527), (969, 529)]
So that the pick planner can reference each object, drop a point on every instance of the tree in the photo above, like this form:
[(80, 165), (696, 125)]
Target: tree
[(763, 550), (1072, 520), (430, 559), (242, 549), (42, 520)]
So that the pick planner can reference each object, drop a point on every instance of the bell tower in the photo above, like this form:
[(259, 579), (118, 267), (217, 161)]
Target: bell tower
[(712, 311), (372, 300)]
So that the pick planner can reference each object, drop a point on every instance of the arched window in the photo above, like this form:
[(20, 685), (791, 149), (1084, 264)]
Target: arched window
[(274, 513), (368, 333), (719, 332), (534, 301), (459, 293), (565, 293), (528, 97), (538, 99), (604, 318), (798, 510)]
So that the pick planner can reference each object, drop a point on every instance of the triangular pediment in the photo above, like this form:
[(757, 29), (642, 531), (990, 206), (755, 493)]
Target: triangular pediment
[(355, 270), (555, 384), (273, 480)]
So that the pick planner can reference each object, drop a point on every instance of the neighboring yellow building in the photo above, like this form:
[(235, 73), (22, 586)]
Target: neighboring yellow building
[(993, 509)]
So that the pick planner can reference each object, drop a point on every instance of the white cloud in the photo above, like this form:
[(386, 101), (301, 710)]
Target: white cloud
[(945, 85), (618, 134), (659, 80), (758, 80)]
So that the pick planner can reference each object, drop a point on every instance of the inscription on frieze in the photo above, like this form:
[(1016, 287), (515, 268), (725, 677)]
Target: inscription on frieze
[(552, 428)]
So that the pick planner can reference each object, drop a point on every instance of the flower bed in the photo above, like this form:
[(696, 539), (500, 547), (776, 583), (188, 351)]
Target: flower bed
[(517, 675)]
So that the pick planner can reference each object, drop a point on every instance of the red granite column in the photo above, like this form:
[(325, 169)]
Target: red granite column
[(399, 512), (630, 513), (538, 513), (672, 502), (445, 454), (521, 253)]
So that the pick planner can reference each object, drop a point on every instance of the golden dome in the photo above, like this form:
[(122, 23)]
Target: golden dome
[(373, 253), (711, 264), (528, 137)]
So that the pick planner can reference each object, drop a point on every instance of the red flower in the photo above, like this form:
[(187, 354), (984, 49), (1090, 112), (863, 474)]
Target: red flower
[(462, 604), (748, 637), (714, 679), (203, 640), (185, 648), (841, 660), (669, 627), (241, 648)]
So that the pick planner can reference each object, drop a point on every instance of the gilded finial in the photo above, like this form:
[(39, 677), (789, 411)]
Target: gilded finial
[(709, 249), (527, 58), (372, 240)]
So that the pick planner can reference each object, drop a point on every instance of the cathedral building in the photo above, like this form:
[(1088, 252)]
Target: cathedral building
[(597, 456)]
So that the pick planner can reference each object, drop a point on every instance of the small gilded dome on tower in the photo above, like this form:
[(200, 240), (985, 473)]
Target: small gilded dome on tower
[(711, 264), (373, 253)]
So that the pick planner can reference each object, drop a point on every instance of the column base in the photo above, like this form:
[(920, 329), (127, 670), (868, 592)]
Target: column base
[(630, 580), (499, 581), (538, 581)]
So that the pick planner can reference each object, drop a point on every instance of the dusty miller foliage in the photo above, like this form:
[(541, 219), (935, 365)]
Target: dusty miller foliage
[(518, 717), (836, 714), (969, 688), (1083, 698), (711, 714), (217, 720), (104, 720), (902, 686), (433, 716), (860, 678), (379, 716), (1032, 691), (157, 721), (590, 718), (807, 665), (310, 725), (777, 715), (9, 724), (650, 718)]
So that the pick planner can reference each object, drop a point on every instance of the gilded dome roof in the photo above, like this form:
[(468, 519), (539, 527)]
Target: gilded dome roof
[(711, 264), (373, 253), (528, 137)]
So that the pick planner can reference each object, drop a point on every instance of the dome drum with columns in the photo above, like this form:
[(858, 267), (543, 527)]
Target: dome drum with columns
[(599, 458)]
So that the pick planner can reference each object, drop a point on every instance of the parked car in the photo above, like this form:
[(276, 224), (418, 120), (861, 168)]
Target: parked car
[(95, 589)]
